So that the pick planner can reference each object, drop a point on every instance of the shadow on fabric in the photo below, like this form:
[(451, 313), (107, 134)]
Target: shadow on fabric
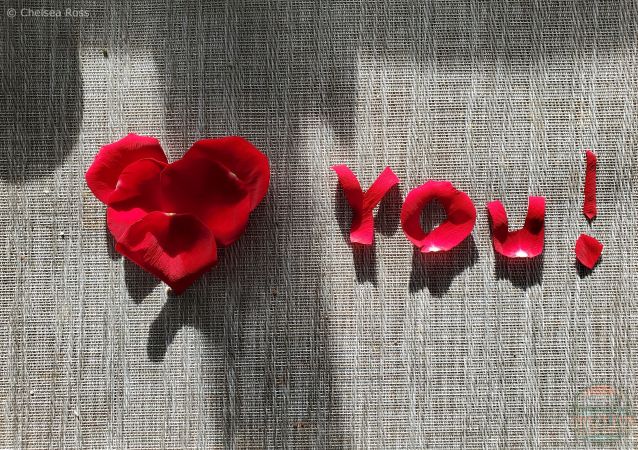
[(41, 96), (187, 310), (437, 271), (583, 271), (245, 68), (521, 272), (139, 283)]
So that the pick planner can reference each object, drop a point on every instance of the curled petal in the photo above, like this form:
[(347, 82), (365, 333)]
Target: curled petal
[(207, 190), (460, 211), (239, 159), (589, 206), (174, 247), (588, 250), (362, 204), (113, 158), (136, 194), (527, 242)]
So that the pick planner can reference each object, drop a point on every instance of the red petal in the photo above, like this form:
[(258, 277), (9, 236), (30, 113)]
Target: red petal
[(588, 250), (461, 216), (112, 159), (589, 206), (524, 243), (206, 189), (240, 159), (362, 229), (178, 249), (135, 195)]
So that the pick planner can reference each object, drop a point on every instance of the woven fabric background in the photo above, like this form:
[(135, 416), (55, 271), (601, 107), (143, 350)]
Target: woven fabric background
[(295, 340)]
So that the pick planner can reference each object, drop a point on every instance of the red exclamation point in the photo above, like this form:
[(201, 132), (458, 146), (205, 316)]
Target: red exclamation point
[(588, 249)]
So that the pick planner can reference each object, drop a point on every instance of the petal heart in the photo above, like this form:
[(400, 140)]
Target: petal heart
[(169, 218)]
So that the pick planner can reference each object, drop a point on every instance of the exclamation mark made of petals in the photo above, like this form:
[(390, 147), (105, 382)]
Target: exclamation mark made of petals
[(588, 249)]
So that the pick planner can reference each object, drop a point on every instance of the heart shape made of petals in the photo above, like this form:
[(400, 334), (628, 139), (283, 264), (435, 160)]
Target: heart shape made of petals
[(170, 218)]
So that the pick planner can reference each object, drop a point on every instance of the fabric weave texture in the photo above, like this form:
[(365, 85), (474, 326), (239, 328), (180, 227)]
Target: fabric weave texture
[(295, 339)]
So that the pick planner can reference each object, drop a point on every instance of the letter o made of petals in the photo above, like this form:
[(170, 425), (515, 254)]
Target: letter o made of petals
[(459, 208)]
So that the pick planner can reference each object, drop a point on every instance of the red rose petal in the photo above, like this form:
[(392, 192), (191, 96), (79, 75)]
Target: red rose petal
[(174, 247), (362, 204), (240, 159), (136, 194), (527, 242), (207, 190), (112, 159), (589, 206), (588, 250), (461, 216)]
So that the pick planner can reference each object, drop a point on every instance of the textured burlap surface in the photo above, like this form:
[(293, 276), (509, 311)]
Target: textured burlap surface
[(295, 340)]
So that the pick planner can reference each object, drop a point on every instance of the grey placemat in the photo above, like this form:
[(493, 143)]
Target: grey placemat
[(294, 341)]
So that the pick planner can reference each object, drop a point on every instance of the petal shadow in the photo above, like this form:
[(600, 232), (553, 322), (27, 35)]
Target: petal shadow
[(110, 245), (436, 271), (139, 283), (387, 218), (365, 263), (187, 310), (583, 271), (521, 272)]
